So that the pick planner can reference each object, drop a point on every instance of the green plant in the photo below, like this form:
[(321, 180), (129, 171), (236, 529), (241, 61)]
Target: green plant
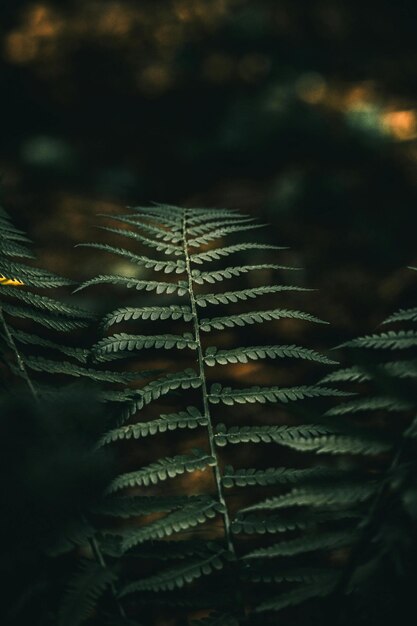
[(58, 477), (187, 535), (180, 234)]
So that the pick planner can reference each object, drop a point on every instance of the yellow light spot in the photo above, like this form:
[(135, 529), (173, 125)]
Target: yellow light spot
[(11, 282), (401, 124)]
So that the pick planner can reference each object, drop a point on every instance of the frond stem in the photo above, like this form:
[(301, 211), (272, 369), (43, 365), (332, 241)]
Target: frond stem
[(206, 406), (18, 358)]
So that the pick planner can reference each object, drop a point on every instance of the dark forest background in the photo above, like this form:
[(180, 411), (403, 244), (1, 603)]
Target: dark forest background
[(302, 113)]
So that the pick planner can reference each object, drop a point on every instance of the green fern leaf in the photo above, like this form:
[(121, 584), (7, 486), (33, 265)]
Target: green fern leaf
[(250, 477), (403, 315), (214, 225), (321, 495), (325, 541), (218, 253), (281, 574), (217, 233), (375, 403), (84, 592), (243, 294), (177, 577), (132, 506), (299, 595), (163, 469), (306, 438), (255, 317), (191, 418), (190, 515), (291, 521), (40, 364), (229, 396), (391, 340), (49, 321), (80, 354), (187, 379), (160, 246), (253, 353), (230, 272), (174, 312), (46, 304), (12, 249), (116, 346), (180, 288), (159, 266)]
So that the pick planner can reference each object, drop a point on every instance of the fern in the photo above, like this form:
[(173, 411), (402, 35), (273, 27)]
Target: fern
[(58, 361), (382, 493), (186, 234), (20, 300)]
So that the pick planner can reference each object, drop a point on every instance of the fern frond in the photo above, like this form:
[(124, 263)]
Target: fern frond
[(300, 594), (255, 317), (44, 319), (163, 469), (187, 379), (396, 369), (253, 353), (132, 506), (177, 577), (230, 272), (12, 249), (375, 403), (140, 285), (159, 246), (174, 312), (33, 276), (204, 216), (80, 354), (281, 574), (116, 346), (249, 477), (403, 315), (84, 591), (191, 418), (325, 541), (230, 396), (321, 495), (40, 364), (305, 438), (218, 253), (217, 233), (391, 340), (244, 294), (292, 520), (44, 303), (214, 225), (168, 267), (12, 282), (190, 515)]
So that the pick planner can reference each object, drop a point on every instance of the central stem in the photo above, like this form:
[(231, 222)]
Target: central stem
[(206, 406), (19, 361)]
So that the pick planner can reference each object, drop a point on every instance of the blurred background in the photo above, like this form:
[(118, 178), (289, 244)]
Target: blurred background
[(302, 113)]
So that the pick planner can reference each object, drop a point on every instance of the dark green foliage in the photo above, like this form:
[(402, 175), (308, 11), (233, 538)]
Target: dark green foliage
[(22, 301), (210, 513), (184, 527)]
